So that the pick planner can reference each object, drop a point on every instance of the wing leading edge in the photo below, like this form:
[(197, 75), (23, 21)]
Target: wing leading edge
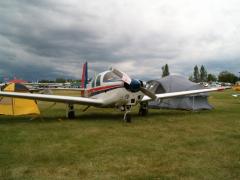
[(181, 93), (54, 98)]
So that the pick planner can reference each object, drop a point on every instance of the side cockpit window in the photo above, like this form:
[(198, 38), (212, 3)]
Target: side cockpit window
[(93, 83), (98, 81)]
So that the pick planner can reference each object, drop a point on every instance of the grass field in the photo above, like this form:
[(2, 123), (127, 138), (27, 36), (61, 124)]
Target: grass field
[(166, 144)]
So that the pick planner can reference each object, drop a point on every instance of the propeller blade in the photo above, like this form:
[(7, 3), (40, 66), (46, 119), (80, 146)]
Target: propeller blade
[(117, 72), (125, 78), (148, 93)]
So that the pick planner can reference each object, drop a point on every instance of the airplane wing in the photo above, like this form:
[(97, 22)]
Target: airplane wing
[(54, 98), (65, 89), (181, 93), (69, 89)]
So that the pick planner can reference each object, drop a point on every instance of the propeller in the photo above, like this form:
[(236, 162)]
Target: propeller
[(148, 93), (133, 85), (125, 78)]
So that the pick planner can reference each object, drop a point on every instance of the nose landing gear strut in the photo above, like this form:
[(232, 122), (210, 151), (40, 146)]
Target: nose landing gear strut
[(127, 115)]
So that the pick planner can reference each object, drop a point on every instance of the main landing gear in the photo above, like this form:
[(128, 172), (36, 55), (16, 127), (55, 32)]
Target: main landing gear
[(143, 110), (70, 111)]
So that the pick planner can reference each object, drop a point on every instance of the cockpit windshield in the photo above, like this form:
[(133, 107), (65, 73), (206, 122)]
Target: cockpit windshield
[(110, 77)]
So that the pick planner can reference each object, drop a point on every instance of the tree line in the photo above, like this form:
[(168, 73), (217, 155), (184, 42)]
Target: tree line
[(198, 75), (58, 80), (201, 75)]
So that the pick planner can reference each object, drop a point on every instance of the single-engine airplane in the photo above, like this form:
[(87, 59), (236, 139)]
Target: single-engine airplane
[(109, 89)]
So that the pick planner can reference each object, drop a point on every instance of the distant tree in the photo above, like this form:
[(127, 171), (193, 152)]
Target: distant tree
[(196, 76), (165, 70), (226, 76), (60, 80), (211, 78), (72, 80), (191, 78), (203, 74), (46, 81)]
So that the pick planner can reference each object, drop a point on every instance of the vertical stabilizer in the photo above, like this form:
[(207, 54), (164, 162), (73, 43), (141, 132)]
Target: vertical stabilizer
[(84, 78)]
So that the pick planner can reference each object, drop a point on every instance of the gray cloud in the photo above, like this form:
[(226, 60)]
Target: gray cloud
[(49, 39)]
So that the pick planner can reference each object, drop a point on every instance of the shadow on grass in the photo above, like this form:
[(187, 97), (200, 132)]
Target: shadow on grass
[(169, 112), (97, 116), (50, 119)]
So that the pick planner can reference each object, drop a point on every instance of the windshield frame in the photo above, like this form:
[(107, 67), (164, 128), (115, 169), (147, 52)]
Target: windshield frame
[(111, 77)]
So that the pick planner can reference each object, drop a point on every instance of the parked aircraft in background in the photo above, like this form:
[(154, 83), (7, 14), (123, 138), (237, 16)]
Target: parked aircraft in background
[(109, 89)]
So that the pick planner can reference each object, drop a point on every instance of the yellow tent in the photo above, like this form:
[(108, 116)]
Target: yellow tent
[(236, 87), (16, 106)]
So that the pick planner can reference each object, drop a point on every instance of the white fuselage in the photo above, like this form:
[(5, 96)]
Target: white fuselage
[(119, 97), (113, 92)]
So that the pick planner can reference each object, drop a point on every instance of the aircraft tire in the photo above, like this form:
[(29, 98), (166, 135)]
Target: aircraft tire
[(128, 118), (71, 115), (143, 112)]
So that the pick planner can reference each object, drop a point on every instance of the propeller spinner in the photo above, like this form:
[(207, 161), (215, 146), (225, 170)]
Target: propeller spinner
[(133, 85)]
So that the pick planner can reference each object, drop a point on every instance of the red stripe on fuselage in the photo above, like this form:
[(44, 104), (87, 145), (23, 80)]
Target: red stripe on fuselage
[(102, 88)]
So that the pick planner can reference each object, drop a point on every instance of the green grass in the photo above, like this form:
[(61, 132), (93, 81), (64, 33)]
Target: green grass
[(166, 144)]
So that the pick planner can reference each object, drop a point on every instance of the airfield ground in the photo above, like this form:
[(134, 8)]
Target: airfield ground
[(167, 144)]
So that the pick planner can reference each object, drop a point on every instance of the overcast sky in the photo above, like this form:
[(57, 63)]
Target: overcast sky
[(52, 38)]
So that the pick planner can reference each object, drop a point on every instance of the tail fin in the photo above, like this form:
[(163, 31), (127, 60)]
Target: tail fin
[(84, 78)]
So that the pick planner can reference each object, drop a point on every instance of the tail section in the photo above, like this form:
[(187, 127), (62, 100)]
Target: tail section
[(84, 78)]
